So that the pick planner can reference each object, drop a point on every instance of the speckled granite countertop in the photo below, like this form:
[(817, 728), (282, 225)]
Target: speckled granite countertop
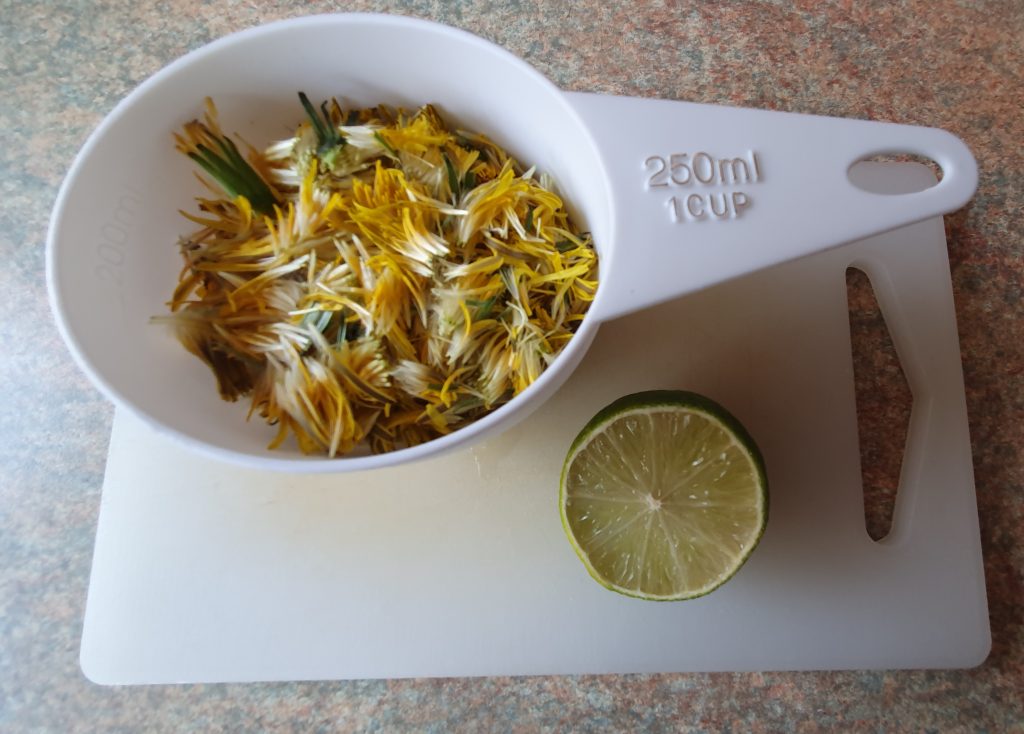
[(947, 64)]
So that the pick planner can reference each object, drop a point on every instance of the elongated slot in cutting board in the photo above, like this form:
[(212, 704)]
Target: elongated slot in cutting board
[(883, 404)]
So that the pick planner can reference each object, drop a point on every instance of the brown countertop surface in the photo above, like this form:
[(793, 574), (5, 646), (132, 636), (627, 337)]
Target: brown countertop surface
[(947, 64)]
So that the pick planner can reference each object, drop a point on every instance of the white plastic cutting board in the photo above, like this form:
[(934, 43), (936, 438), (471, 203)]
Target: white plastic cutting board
[(458, 566)]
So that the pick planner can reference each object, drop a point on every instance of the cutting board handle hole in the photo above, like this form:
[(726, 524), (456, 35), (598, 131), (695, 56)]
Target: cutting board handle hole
[(876, 185), (884, 403)]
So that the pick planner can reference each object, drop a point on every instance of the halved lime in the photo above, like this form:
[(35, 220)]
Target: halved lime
[(664, 495)]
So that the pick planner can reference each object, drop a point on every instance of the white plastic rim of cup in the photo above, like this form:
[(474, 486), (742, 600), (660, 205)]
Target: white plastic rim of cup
[(678, 197)]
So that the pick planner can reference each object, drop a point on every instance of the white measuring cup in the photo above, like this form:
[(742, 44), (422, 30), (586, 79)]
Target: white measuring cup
[(678, 197)]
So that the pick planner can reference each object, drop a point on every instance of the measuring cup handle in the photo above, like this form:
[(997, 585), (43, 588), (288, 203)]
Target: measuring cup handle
[(702, 193)]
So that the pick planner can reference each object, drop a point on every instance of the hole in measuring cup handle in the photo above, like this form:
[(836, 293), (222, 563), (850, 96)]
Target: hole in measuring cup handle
[(871, 185), (945, 156)]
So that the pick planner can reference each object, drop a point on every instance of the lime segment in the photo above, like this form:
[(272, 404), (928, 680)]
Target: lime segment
[(663, 495)]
